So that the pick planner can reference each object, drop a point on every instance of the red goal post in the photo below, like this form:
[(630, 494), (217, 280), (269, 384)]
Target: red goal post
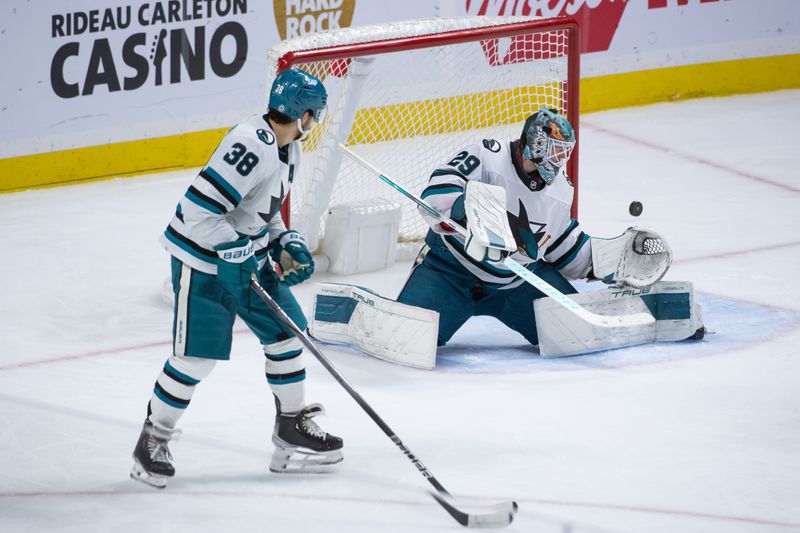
[(408, 95)]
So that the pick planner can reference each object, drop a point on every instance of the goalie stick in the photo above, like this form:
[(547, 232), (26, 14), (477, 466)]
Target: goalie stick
[(611, 321), (499, 515)]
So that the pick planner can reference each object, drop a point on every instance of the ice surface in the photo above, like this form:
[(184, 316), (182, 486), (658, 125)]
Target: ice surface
[(700, 437)]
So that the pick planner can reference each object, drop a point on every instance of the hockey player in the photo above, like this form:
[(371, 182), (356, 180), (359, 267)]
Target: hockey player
[(497, 206), (226, 227), (460, 281)]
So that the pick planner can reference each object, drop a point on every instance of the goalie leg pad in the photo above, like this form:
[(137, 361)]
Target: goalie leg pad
[(671, 303), (380, 327)]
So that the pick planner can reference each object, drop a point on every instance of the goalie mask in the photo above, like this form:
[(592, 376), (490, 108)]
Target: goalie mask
[(294, 92), (548, 139)]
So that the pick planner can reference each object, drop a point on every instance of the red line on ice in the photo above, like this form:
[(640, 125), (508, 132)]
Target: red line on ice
[(109, 351), (672, 512), (161, 494), (690, 157), (739, 252), (84, 355), (112, 351)]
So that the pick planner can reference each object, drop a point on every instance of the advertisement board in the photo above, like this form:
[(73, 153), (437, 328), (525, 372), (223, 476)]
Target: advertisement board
[(93, 89)]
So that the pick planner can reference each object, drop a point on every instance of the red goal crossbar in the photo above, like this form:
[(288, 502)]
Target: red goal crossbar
[(571, 88)]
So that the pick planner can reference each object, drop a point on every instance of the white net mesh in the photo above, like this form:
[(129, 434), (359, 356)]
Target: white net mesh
[(409, 111)]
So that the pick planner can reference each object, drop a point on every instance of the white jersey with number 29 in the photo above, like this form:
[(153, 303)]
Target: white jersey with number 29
[(540, 220)]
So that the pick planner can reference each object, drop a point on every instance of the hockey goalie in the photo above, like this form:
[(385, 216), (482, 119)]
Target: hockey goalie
[(513, 200)]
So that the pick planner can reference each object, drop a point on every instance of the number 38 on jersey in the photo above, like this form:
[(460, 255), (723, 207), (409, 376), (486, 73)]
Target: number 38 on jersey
[(241, 159)]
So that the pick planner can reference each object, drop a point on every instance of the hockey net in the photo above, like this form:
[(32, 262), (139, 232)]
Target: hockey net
[(407, 96)]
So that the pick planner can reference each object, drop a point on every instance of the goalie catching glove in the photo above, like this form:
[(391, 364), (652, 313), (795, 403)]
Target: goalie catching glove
[(482, 209), (290, 251), (637, 258)]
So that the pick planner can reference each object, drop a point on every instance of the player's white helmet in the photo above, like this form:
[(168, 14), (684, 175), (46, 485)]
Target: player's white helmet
[(548, 140)]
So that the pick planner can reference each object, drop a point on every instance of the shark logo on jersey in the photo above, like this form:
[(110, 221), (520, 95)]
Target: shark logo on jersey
[(526, 239), (266, 136), (492, 145), (274, 206)]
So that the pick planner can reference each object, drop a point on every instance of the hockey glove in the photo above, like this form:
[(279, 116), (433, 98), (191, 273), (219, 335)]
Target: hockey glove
[(235, 264), (489, 236), (290, 251), (457, 215), (473, 248), (637, 258), (457, 212)]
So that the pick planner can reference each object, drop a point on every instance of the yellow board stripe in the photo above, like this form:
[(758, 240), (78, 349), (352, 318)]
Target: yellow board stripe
[(107, 161), (597, 94), (724, 78)]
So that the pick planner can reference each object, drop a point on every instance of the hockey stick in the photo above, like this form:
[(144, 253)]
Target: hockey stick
[(613, 321), (499, 515)]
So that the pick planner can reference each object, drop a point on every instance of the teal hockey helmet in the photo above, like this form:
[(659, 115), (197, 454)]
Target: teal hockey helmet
[(295, 91), (548, 140)]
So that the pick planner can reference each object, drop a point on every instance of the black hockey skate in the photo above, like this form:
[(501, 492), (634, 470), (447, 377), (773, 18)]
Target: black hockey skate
[(300, 445), (152, 460)]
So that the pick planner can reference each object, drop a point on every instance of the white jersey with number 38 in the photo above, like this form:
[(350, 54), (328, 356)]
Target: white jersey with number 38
[(237, 193)]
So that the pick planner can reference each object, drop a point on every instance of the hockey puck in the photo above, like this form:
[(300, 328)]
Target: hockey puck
[(635, 208)]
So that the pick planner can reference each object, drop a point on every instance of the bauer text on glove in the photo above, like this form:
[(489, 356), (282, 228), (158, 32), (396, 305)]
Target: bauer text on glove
[(235, 264)]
